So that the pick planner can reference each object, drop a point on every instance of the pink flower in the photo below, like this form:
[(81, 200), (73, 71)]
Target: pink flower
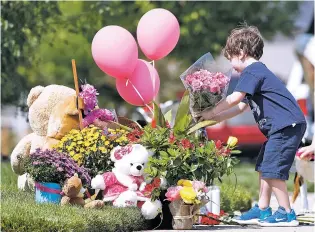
[(205, 80), (214, 88), (173, 193), (199, 185), (196, 85)]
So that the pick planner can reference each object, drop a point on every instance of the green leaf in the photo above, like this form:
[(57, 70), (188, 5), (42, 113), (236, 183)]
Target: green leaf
[(236, 152), (158, 116), (181, 118), (201, 125), (194, 167), (154, 172), (164, 154), (168, 116), (177, 162)]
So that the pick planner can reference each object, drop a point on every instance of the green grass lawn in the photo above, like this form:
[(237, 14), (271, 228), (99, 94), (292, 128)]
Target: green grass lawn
[(247, 177), (19, 212)]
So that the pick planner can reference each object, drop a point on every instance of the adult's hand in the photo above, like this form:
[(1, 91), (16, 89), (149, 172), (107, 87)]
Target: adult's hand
[(307, 152)]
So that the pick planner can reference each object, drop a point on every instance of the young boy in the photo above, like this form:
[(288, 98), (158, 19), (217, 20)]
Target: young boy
[(278, 117)]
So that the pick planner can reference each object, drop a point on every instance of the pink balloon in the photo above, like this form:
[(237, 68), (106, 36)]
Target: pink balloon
[(157, 33), (144, 81), (115, 51)]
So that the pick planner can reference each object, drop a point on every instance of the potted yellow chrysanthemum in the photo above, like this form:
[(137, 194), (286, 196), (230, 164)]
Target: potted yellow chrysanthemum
[(91, 147)]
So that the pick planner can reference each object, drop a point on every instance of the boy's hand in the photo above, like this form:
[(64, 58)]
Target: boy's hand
[(205, 115)]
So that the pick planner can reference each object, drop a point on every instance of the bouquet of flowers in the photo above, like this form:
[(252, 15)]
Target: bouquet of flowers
[(91, 147), (190, 192), (53, 166), (186, 199), (206, 85)]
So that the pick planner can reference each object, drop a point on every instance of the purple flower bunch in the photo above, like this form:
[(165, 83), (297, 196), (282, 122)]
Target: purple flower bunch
[(101, 114), (54, 166), (88, 94)]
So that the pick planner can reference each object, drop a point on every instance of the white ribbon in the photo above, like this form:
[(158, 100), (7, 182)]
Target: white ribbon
[(134, 87)]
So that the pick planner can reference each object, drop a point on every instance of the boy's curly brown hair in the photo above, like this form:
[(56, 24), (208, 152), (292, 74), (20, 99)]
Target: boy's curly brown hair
[(247, 39)]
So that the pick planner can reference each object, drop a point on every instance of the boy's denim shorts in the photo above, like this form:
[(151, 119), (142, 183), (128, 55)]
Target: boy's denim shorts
[(277, 153)]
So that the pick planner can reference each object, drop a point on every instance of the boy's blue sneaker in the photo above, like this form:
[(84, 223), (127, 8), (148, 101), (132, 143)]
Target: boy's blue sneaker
[(253, 215), (280, 218)]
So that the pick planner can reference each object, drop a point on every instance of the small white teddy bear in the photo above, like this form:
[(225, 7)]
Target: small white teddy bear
[(125, 184)]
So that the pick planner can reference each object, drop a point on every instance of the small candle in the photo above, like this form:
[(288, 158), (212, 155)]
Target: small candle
[(215, 199), (209, 204)]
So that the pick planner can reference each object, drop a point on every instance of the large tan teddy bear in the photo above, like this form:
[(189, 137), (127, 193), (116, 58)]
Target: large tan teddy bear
[(52, 114)]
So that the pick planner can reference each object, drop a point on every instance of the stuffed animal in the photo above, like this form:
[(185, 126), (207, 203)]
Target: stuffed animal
[(125, 184), (52, 114), (72, 192)]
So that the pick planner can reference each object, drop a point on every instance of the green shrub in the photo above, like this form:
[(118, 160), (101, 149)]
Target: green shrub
[(235, 199)]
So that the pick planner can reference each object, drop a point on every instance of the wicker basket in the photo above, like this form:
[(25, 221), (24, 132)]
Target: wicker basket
[(129, 123)]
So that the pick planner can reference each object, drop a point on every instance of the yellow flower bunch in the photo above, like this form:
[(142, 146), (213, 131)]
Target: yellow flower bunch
[(188, 194), (91, 142), (191, 192)]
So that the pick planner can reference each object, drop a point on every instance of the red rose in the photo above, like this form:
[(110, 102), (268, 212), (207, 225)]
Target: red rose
[(205, 221), (148, 189), (227, 152), (218, 144), (171, 138), (167, 124), (156, 182), (186, 143), (213, 221), (134, 135)]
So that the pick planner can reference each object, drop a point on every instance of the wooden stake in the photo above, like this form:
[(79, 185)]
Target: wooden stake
[(76, 84)]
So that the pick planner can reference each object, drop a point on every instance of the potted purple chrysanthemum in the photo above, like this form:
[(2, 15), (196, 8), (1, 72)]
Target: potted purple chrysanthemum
[(49, 169)]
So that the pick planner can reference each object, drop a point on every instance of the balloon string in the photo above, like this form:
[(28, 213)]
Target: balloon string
[(153, 64), (134, 87)]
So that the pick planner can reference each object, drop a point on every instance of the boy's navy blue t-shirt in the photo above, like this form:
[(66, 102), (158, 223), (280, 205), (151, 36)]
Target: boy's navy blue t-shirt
[(273, 106)]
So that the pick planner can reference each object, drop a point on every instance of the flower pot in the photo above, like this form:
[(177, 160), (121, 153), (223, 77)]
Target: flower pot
[(183, 217), (47, 192), (184, 214)]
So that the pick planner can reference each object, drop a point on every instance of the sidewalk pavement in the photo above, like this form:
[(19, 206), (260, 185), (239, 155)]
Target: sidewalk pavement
[(274, 205), (297, 206), (226, 228)]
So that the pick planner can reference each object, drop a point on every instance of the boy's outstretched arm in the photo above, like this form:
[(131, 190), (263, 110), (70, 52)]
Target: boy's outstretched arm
[(227, 103), (230, 113)]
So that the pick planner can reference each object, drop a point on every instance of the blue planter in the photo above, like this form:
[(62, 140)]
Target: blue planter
[(47, 193)]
